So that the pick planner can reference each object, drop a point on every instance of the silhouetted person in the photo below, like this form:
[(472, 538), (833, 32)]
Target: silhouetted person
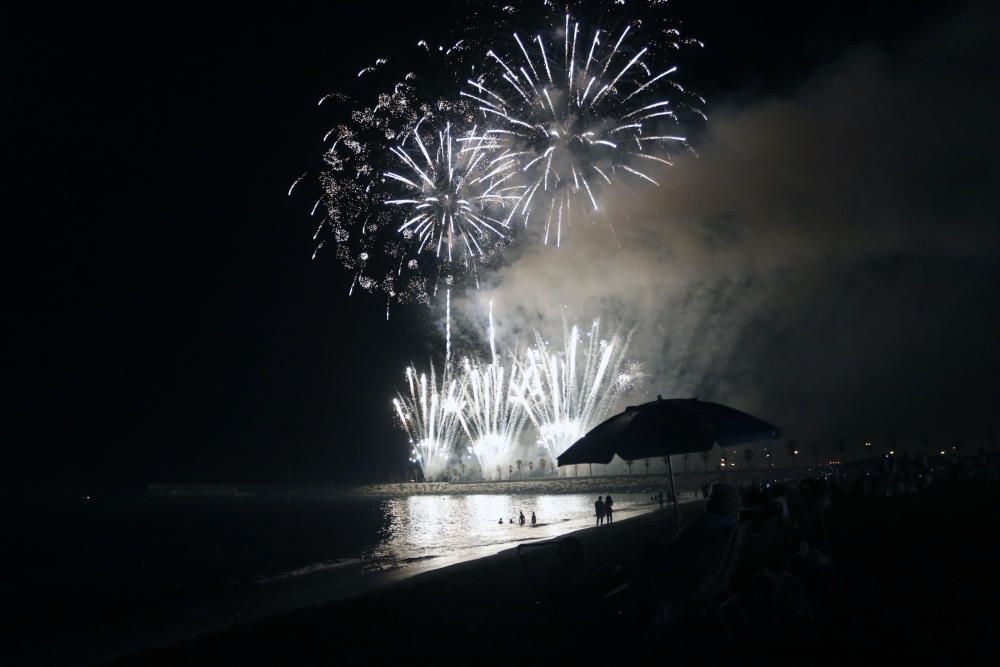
[(607, 508), (599, 509), (660, 498), (500, 521), (533, 519), (510, 521), (520, 518), (704, 490)]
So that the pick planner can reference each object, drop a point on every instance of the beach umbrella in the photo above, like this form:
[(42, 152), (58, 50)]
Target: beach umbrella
[(666, 427)]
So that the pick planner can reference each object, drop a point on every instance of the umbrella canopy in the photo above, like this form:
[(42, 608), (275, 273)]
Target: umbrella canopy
[(667, 427)]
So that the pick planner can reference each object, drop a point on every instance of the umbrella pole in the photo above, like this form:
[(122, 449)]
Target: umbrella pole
[(673, 493)]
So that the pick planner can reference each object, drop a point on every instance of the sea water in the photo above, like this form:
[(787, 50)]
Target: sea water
[(100, 578)]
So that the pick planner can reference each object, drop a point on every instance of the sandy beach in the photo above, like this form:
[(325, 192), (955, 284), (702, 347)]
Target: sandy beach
[(99, 610), (897, 561), (475, 591)]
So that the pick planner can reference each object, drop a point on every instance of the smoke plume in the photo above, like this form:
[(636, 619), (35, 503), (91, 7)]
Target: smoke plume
[(836, 241)]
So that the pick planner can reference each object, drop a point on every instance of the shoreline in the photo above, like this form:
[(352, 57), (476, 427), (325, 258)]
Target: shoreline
[(588, 535), (160, 627), (387, 583), (550, 606), (508, 577)]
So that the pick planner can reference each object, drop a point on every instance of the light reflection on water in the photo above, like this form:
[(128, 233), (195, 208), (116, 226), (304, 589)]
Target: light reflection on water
[(446, 529)]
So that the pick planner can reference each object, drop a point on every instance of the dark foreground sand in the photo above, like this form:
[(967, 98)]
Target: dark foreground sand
[(917, 578)]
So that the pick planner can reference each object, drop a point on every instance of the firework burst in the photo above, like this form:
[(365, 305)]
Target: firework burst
[(568, 391), (451, 188), (372, 142), (494, 415), (431, 415), (422, 186), (580, 109), (561, 392)]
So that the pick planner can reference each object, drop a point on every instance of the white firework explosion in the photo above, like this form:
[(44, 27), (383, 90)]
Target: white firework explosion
[(494, 415), (451, 188), (568, 391), (431, 415), (580, 109)]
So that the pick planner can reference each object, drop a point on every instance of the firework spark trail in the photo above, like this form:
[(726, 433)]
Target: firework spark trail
[(432, 417), (493, 417), (567, 392), (578, 124), (294, 183), (433, 413)]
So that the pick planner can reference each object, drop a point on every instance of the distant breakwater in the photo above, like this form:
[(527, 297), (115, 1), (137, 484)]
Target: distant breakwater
[(687, 482), (650, 484)]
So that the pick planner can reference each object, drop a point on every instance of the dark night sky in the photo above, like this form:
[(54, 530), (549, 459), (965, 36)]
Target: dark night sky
[(166, 321)]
